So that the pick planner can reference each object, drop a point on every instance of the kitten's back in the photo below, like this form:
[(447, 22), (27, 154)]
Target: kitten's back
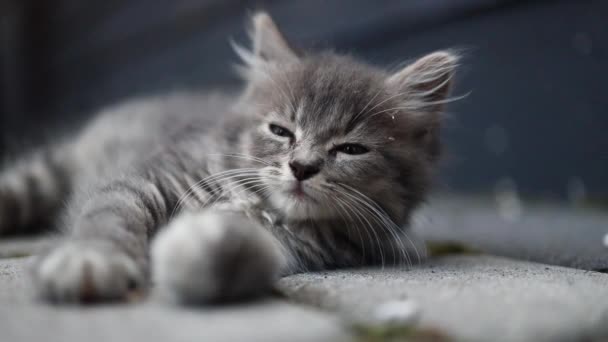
[(138, 128), (35, 188)]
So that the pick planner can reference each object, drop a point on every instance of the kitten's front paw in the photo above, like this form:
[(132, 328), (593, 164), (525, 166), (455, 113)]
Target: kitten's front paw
[(86, 271), (214, 256)]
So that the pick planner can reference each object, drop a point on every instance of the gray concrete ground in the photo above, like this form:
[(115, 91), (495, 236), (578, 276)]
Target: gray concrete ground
[(553, 233), (25, 246), (472, 297), (22, 318), (462, 297)]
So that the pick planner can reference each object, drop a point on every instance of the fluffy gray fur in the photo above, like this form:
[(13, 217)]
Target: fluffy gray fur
[(218, 174)]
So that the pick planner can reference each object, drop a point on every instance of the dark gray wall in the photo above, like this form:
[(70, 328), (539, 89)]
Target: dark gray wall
[(537, 112)]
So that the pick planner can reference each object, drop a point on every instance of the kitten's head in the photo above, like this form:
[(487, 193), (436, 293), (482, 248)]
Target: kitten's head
[(339, 133)]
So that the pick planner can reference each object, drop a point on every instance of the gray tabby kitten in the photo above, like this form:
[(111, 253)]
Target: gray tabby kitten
[(318, 164)]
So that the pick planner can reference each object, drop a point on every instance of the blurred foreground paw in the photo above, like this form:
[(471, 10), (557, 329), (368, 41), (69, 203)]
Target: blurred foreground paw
[(214, 256), (86, 271)]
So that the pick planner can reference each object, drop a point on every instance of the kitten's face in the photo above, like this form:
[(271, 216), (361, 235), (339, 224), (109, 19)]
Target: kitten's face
[(341, 138)]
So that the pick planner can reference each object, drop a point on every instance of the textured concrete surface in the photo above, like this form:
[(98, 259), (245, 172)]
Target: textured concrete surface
[(466, 297), (26, 246), (469, 297), (553, 233), (479, 298), (24, 319)]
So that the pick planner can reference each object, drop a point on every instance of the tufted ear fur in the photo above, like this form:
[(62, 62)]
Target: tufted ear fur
[(268, 42), (269, 47), (424, 88), (426, 83)]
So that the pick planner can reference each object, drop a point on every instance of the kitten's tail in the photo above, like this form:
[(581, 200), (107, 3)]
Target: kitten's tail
[(32, 189)]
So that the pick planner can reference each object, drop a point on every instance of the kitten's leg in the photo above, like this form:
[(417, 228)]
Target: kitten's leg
[(106, 253), (215, 255), (33, 189)]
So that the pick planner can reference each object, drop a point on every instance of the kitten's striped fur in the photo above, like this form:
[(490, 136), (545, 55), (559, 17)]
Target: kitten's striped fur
[(214, 172)]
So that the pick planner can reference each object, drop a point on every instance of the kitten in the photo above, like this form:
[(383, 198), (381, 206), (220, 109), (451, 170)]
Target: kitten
[(318, 164)]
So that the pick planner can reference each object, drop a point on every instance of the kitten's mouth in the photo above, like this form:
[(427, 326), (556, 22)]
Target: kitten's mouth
[(298, 191)]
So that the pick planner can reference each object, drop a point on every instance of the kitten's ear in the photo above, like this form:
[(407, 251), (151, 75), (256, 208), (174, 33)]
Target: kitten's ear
[(424, 88), (425, 84), (269, 44)]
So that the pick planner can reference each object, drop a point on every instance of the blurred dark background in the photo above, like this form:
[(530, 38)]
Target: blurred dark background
[(536, 118)]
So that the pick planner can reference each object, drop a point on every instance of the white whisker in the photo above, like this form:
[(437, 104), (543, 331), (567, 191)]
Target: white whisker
[(205, 181), (384, 224), (340, 209), (386, 216), (358, 214)]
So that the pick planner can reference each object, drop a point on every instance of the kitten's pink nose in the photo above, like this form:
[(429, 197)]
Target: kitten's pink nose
[(303, 171)]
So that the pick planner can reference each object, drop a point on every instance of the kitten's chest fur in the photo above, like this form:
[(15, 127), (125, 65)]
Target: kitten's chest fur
[(313, 244)]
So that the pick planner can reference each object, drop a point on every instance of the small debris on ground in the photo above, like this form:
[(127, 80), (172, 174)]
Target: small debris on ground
[(394, 320), (382, 333), (12, 255), (397, 312)]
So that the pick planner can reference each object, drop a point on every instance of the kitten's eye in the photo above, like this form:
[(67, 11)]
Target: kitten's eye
[(351, 149), (280, 131)]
